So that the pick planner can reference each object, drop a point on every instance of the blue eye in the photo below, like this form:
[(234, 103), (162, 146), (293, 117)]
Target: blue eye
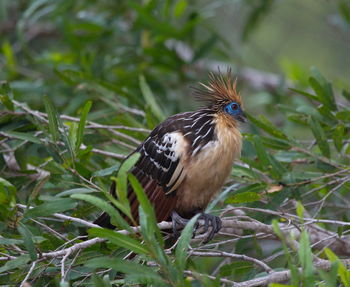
[(233, 109)]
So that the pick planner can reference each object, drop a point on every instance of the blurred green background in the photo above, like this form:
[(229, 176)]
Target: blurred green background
[(47, 45), (135, 63)]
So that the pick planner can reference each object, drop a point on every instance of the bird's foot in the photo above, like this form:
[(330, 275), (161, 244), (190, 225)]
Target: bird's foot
[(178, 223), (209, 220)]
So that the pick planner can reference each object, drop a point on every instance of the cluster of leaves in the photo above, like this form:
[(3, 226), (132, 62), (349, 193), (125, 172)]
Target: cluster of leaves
[(59, 153)]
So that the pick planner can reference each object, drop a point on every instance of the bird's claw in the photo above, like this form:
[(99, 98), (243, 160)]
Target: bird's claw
[(209, 220), (178, 223)]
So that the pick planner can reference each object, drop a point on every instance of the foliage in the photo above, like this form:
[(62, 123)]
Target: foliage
[(85, 82)]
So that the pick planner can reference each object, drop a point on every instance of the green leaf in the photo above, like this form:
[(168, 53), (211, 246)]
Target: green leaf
[(320, 137), (305, 257), (263, 123), (27, 237), (72, 135), (324, 92), (330, 277), (342, 270), (126, 267), (300, 210), (116, 218), (82, 123), (308, 95), (119, 239), (338, 134), (243, 198), (10, 241), (276, 228), (50, 207), (6, 96), (53, 119), (261, 152), (122, 177), (183, 244), (180, 8), (346, 95), (23, 136), (146, 206), (250, 193), (75, 191), (106, 171), (20, 262), (150, 99), (9, 56), (343, 115), (274, 143), (56, 125)]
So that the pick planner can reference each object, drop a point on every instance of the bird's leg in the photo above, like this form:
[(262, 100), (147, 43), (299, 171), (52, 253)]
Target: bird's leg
[(215, 223), (209, 220), (178, 222)]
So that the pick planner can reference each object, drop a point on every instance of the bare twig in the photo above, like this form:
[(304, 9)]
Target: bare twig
[(49, 229), (281, 276), (63, 261), (32, 267), (200, 275), (65, 217), (242, 257)]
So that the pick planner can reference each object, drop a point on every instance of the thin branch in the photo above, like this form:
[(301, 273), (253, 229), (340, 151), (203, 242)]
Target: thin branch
[(32, 267), (200, 275), (49, 229), (281, 276), (63, 261), (242, 257), (65, 217)]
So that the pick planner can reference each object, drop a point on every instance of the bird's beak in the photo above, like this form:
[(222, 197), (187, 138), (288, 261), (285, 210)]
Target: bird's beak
[(241, 117)]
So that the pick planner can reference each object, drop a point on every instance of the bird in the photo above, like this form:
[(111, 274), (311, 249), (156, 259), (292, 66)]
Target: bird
[(185, 161)]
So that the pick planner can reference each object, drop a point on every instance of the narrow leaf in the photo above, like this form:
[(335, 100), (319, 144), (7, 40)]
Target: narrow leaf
[(116, 218), (124, 266), (183, 244), (305, 257), (324, 92), (122, 177), (150, 99), (6, 96), (146, 206), (337, 136), (119, 239), (50, 207), (20, 262), (23, 136), (27, 237), (346, 95), (263, 123), (243, 197), (82, 123), (53, 118), (320, 136)]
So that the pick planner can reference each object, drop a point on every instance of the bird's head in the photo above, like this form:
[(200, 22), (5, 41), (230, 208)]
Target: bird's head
[(221, 96)]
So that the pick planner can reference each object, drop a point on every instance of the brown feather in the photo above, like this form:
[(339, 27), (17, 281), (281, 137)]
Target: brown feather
[(222, 88), (203, 144)]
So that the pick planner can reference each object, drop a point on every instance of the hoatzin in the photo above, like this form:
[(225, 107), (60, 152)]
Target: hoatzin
[(186, 159)]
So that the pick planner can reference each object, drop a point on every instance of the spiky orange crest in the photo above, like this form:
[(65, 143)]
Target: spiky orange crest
[(220, 90)]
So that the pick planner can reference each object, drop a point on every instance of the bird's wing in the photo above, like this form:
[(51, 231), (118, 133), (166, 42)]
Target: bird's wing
[(160, 170), (162, 165)]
